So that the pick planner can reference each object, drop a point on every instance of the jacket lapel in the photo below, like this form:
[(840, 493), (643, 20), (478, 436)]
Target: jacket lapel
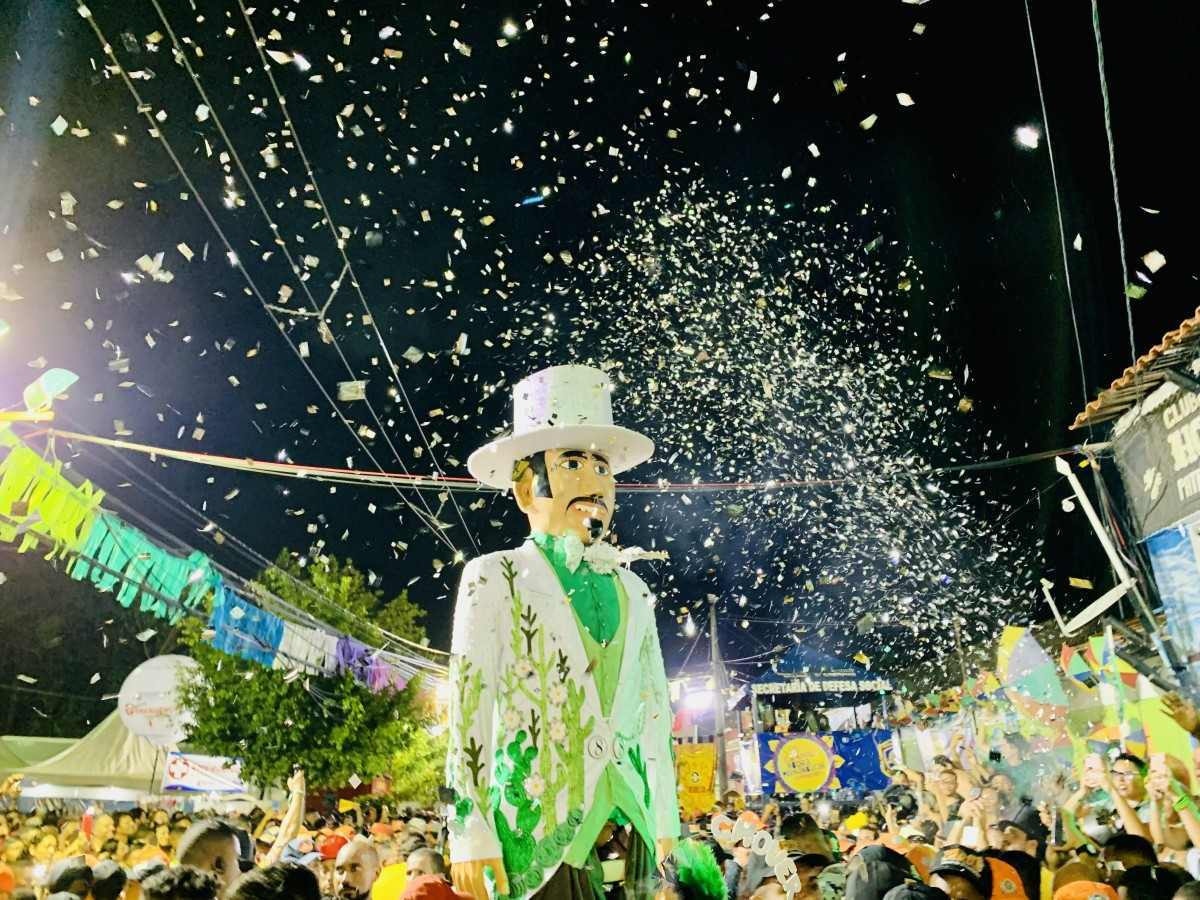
[(541, 590), (639, 612)]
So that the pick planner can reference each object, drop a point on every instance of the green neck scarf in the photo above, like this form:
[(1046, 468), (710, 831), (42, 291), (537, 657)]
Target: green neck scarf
[(593, 596)]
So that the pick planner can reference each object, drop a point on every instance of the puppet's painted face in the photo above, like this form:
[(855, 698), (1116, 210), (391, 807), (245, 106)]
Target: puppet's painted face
[(575, 495)]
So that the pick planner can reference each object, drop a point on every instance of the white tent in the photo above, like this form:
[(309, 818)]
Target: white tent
[(34, 750), (9, 761), (110, 755)]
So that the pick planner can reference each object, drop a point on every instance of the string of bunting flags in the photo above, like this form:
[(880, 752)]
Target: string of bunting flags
[(40, 507)]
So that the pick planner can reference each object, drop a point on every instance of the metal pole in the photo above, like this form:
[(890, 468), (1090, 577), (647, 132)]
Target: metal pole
[(962, 660), (720, 688), (154, 772), (962, 668)]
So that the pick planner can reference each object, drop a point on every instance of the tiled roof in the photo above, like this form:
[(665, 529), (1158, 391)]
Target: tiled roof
[(1175, 350)]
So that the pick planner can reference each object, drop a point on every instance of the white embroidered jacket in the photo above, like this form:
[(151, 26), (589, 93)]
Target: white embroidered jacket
[(528, 740)]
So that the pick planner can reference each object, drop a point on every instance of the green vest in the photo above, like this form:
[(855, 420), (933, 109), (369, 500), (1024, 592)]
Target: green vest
[(602, 613)]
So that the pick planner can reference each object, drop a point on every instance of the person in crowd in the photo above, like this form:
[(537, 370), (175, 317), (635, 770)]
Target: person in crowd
[(301, 851), (284, 881), (799, 836), (139, 874), (1081, 879), (425, 862), (915, 891), (108, 880), (182, 883), (143, 847), (393, 871), (962, 873), (874, 870), (1123, 852), (104, 827), (866, 836), (427, 878), (356, 869), (1128, 784), (72, 876), (1110, 798), (211, 845), (771, 816), (1151, 883), (44, 846)]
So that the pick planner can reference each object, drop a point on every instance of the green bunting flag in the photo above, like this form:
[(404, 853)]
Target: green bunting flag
[(38, 503), (158, 581)]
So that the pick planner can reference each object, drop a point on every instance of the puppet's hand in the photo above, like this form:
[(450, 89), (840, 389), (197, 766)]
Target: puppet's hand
[(469, 877)]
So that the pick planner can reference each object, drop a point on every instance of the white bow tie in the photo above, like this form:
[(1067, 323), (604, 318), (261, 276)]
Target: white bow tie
[(601, 556)]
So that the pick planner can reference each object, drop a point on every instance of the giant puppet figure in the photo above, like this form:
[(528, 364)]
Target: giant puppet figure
[(560, 725)]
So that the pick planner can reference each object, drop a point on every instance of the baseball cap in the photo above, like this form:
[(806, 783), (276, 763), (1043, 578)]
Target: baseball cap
[(330, 846), (965, 863), (1086, 890)]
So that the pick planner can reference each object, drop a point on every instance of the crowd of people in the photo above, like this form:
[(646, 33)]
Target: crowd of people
[(366, 853), (1010, 826), (1005, 828)]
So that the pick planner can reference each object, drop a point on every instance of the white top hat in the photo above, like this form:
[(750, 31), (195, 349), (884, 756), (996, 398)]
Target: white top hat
[(563, 407)]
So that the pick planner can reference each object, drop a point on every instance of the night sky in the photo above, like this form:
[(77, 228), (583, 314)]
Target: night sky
[(627, 184)]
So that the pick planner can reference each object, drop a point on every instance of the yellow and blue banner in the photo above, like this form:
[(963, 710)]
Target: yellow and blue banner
[(805, 762)]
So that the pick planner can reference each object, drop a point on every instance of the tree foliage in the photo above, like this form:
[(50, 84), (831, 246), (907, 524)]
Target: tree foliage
[(344, 598), (417, 769), (334, 727)]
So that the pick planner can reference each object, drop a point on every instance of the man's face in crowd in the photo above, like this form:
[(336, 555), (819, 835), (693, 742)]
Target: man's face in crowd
[(810, 889), (865, 837), (947, 780), (1015, 839), (356, 869), (419, 864), (43, 850), (126, 827), (218, 855), (103, 829), (1003, 784), (13, 850), (956, 886), (772, 890), (1127, 780), (990, 798), (581, 488)]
